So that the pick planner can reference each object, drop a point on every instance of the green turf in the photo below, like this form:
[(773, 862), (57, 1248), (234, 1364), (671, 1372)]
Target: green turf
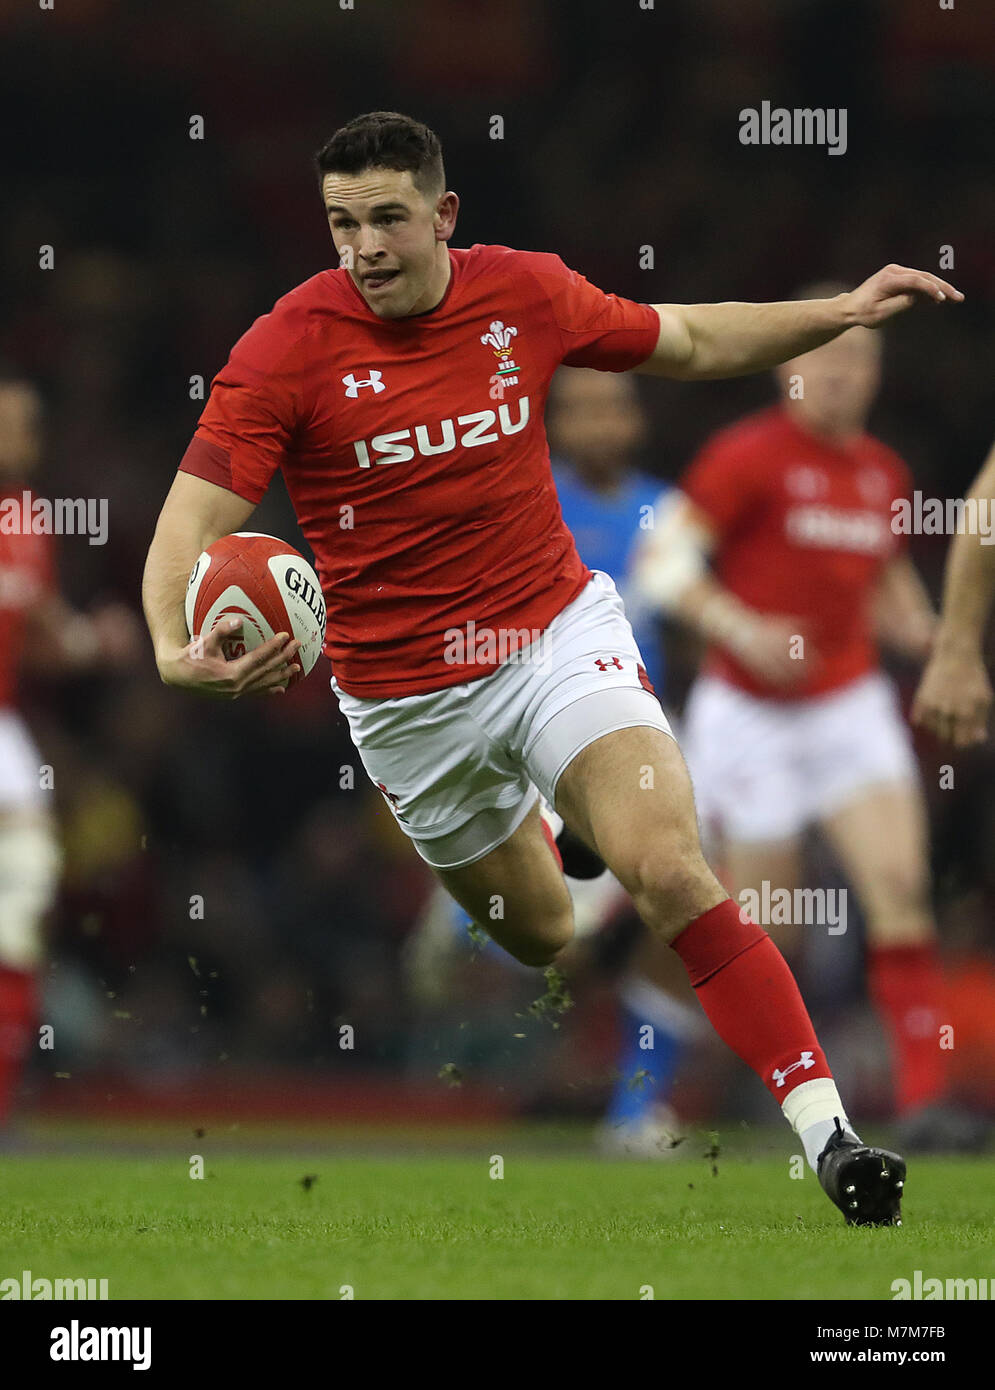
[(442, 1228)]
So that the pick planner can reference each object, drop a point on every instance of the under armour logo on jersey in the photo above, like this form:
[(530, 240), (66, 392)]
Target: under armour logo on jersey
[(375, 379), (389, 796), (806, 1060), (603, 665)]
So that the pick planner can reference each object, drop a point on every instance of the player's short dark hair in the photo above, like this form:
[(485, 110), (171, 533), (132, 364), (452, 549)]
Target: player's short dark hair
[(385, 140)]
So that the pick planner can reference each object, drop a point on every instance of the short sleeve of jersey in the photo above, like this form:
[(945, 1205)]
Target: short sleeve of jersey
[(596, 329), (248, 423), (724, 480)]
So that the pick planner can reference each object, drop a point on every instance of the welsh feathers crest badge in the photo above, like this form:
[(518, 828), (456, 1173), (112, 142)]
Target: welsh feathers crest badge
[(498, 337)]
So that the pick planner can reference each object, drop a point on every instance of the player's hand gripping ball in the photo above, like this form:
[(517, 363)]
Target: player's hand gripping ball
[(265, 583)]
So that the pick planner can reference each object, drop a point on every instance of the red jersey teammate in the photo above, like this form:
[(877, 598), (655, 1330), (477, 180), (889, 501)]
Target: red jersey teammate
[(791, 723), (35, 622), (476, 659)]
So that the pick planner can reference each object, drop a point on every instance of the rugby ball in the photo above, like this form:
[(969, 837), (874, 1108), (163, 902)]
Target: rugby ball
[(268, 585)]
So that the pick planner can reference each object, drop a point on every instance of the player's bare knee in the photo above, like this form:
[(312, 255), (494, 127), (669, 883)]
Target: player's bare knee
[(667, 876), (544, 947), (901, 893), (901, 910)]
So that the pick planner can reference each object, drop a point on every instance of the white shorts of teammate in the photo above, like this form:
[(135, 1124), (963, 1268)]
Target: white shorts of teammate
[(29, 850), (462, 767), (763, 770)]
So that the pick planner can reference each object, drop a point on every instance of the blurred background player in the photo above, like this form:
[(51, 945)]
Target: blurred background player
[(40, 628), (954, 698), (792, 724), (597, 425)]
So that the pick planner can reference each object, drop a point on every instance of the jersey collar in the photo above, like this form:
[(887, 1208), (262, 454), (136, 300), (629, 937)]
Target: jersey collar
[(428, 314)]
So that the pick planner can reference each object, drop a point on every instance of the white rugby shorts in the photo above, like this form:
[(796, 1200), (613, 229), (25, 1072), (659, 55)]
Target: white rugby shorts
[(763, 770), (461, 767), (20, 765)]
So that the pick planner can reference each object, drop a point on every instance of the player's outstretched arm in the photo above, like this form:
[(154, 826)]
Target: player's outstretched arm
[(194, 515), (704, 342), (954, 698)]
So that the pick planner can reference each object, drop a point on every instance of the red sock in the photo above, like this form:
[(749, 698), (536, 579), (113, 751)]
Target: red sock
[(17, 1019), (550, 840), (906, 987), (750, 995)]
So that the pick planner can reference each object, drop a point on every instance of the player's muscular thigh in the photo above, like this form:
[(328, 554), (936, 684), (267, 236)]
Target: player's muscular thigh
[(518, 895), (629, 796)]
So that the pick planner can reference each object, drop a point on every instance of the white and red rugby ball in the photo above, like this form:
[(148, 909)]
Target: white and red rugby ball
[(265, 582)]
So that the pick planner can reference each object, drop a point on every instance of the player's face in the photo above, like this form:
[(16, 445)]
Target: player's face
[(391, 238), (838, 382), (595, 419), (20, 429)]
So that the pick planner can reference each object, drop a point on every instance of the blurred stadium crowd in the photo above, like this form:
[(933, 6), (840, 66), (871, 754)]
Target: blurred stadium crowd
[(620, 133)]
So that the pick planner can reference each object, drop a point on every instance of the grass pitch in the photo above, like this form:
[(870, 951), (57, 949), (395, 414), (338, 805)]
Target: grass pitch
[(317, 1224)]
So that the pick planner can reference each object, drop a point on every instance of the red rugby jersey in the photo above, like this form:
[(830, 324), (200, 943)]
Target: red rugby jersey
[(26, 575), (415, 455), (803, 529)]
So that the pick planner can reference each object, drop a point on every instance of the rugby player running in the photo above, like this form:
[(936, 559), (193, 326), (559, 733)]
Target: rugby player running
[(402, 395)]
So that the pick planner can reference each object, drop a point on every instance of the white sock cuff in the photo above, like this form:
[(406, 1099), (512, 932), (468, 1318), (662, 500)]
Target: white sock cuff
[(812, 1103)]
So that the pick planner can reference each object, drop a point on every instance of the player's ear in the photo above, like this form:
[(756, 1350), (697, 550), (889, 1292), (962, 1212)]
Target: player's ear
[(446, 210)]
